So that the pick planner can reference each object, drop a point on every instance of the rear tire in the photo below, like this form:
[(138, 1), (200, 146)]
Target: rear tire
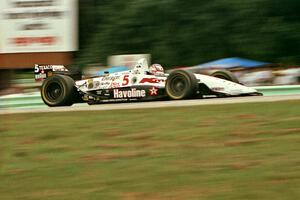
[(226, 75), (181, 84), (58, 90)]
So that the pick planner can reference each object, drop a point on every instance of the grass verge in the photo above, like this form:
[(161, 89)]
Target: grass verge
[(243, 151)]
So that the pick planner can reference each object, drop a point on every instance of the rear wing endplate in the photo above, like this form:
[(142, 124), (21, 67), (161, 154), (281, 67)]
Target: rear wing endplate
[(42, 72)]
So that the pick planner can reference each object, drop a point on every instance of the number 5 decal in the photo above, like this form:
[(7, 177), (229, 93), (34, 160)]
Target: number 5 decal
[(125, 80), (36, 69)]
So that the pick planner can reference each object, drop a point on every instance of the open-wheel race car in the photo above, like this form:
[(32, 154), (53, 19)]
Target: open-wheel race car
[(60, 87)]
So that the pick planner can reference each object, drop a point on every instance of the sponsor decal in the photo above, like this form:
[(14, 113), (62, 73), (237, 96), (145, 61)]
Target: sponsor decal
[(125, 80), (150, 80), (133, 80), (40, 76), (107, 83), (114, 85), (58, 68), (217, 88), (90, 83), (45, 67), (153, 91), (99, 92), (133, 93), (36, 69), (27, 41), (97, 84), (110, 78)]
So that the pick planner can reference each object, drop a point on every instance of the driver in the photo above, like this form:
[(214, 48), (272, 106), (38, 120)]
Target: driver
[(142, 68), (156, 69)]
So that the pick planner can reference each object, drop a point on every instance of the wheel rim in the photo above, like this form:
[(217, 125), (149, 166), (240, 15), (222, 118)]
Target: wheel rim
[(54, 91), (178, 85)]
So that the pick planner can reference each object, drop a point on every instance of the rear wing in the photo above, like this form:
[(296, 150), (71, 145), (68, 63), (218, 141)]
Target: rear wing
[(42, 72)]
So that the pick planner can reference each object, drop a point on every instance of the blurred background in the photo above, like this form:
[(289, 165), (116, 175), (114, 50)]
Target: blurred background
[(258, 40), (234, 151)]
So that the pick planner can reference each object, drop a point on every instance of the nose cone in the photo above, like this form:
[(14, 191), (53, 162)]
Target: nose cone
[(238, 89)]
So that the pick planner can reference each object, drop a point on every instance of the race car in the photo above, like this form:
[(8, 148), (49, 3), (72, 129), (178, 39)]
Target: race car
[(61, 87)]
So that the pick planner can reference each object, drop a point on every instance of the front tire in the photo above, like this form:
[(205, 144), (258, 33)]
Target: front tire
[(58, 90), (181, 84), (226, 75)]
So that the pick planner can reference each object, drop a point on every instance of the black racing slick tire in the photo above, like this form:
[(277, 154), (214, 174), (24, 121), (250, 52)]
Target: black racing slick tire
[(226, 75), (181, 84), (58, 90)]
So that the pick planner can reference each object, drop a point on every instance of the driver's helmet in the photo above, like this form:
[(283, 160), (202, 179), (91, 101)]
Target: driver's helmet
[(156, 69)]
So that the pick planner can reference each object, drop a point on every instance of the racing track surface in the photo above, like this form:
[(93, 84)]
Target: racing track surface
[(153, 104)]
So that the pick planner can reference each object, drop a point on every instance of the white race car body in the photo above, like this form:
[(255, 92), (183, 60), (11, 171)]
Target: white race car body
[(224, 86), (127, 79), (136, 85)]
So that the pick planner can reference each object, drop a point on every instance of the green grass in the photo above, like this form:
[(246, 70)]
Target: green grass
[(243, 151)]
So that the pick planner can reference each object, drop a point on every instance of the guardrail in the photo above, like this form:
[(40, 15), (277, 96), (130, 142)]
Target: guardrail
[(30, 100), (27, 85), (22, 100), (279, 90)]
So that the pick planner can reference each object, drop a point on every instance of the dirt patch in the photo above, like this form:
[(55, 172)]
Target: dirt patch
[(21, 152), (28, 141), (142, 136), (135, 145), (207, 144), (144, 145), (41, 158), (3, 129), (176, 194), (114, 156), (289, 131), (206, 123), (16, 171), (246, 116), (276, 131), (243, 142), (51, 136), (244, 165), (112, 146), (113, 133), (245, 133), (283, 179), (132, 196)]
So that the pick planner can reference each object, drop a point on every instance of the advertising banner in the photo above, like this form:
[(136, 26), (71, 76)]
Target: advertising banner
[(38, 26), (127, 60)]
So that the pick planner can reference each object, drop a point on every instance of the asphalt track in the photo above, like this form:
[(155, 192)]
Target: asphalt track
[(153, 104)]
